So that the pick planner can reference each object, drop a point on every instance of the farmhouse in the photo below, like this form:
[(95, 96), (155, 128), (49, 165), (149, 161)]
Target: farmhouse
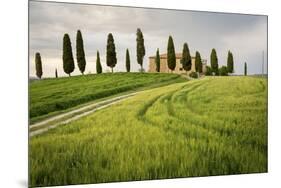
[(164, 66)]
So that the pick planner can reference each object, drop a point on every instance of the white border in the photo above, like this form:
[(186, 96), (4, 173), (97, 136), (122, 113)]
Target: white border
[(13, 100)]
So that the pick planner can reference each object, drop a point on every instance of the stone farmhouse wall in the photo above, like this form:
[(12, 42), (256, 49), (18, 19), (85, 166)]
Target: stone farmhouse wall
[(178, 70)]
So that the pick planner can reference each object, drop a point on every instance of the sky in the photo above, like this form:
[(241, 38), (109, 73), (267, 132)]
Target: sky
[(244, 35)]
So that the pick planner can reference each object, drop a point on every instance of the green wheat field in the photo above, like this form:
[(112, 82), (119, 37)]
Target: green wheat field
[(51, 96), (204, 127)]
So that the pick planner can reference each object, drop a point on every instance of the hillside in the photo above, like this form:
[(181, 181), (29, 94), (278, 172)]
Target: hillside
[(212, 126), (51, 96)]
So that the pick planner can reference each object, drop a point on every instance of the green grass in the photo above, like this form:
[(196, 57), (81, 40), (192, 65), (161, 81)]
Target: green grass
[(213, 126), (50, 97)]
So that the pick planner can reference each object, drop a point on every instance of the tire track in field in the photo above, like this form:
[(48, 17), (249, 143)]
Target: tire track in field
[(170, 110), (219, 130), (184, 96), (142, 113), (217, 133)]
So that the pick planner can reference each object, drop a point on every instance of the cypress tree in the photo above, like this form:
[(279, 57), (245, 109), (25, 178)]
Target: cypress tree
[(140, 47), (186, 58), (198, 62), (98, 64), (157, 61), (214, 62), (68, 62), (80, 54), (56, 73), (230, 62), (128, 61), (111, 59), (171, 56), (38, 65), (245, 69)]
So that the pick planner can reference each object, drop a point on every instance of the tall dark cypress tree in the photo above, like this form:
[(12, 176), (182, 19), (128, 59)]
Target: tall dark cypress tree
[(111, 59), (140, 47), (245, 69), (198, 62), (157, 61), (56, 73), (98, 64), (67, 57), (171, 55), (214, 62), (80, 54), (230, 62), (186, 58), (38, 65), (128, 66)]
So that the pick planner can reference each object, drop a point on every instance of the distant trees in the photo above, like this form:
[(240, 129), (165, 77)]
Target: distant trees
[(68, 62), (230, 62), (140, 47), (245, 69), (223, 71), (38, 65), (98, 64), (56, 73), (186, 58), (80, 54), (198, 62), (111, 59), (128, 66), (214, 62), (157, 61), (171, 56)]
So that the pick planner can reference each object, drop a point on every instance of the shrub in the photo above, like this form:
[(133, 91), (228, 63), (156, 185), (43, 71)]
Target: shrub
[(193, 75), (208, 71), (223, 71)]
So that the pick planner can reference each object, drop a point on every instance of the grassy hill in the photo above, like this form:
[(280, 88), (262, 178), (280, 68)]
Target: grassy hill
[(50, 96), (213, 126)]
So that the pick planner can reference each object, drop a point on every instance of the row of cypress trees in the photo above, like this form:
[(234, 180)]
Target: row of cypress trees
[(111, 59), (186, 59)]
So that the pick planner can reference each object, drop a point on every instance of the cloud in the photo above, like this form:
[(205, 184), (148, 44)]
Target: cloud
[(245, 35)]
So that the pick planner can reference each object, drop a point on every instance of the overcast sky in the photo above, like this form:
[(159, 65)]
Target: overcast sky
[(244, 35)]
